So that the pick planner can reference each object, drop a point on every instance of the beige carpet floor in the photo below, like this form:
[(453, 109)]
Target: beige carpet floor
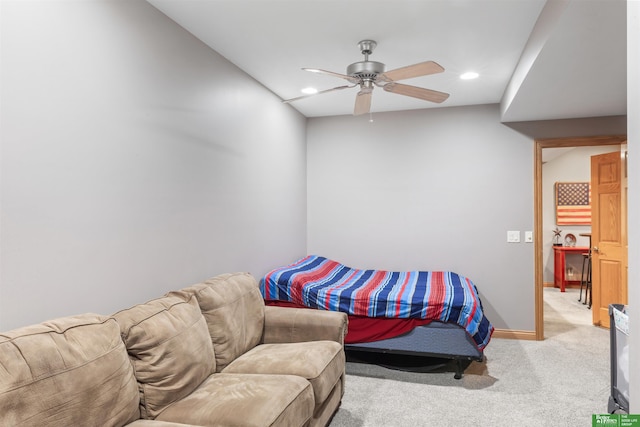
[(560, 381)]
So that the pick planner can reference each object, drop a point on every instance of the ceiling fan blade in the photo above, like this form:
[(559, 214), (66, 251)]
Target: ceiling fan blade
[(363, 102), (416, 92), (411, 71), (331, 73), (286, 101)]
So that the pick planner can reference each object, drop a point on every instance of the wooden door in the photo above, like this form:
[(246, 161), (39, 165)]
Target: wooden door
[(608, 235)]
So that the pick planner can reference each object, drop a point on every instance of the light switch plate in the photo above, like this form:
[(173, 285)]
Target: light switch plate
[(513, 236), (528, 236)]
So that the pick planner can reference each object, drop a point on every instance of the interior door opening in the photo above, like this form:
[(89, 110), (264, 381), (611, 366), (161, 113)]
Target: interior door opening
[(538, 210)]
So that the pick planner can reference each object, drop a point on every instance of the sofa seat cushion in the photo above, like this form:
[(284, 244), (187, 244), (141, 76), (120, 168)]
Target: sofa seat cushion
[(170, 349), (319, 362), (246, 400), (155, 423), (72, 371), (234, 309)]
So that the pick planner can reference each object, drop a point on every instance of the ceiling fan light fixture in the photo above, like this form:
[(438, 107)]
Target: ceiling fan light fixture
[(469, 75)]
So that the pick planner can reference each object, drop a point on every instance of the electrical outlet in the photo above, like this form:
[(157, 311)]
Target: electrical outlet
[(528, 236), (513, 236)]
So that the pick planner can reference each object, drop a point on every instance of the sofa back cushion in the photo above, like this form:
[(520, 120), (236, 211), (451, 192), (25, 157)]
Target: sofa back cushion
[(234, 309), (70, 371), (170, 349)]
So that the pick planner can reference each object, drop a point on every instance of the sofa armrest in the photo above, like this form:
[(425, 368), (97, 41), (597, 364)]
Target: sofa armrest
[(285, 324)]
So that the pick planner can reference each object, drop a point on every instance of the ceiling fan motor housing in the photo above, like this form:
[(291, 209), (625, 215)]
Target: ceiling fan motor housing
[(366, 70)]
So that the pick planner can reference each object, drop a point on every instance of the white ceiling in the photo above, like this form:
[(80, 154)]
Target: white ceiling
[(569, 63)]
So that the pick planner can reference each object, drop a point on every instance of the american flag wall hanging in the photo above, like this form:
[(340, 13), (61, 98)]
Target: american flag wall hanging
[(573, 203)]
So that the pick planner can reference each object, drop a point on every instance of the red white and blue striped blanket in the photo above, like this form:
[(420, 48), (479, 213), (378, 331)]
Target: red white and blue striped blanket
[(321, 283)]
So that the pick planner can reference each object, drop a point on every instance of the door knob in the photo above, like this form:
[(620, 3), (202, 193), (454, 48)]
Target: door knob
[(595, 249)]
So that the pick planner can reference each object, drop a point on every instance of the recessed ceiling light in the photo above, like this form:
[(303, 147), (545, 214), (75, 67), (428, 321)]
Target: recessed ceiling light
[(309, 90), (469, 75)]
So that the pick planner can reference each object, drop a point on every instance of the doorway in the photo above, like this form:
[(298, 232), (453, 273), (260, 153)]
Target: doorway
[(539, 145)]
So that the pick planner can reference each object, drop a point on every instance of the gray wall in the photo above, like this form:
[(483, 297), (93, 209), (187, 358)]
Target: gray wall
[(134, 161), (430, 189)]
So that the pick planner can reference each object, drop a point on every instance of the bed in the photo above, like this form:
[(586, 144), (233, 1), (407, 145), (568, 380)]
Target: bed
[(434, 314)]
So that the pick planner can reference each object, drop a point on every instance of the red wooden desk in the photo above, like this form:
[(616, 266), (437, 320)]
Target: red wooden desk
[(560, 265)]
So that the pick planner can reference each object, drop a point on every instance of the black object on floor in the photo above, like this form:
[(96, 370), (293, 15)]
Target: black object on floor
[(409, 363), (618, 336)]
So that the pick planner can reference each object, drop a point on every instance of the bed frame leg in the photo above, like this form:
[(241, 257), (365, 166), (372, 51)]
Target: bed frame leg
[(460, 367)]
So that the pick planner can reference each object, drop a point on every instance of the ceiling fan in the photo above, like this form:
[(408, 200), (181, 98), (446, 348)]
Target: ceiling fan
[(368, 74)]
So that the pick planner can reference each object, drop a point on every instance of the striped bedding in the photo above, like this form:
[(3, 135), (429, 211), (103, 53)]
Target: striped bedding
[(321, 283)]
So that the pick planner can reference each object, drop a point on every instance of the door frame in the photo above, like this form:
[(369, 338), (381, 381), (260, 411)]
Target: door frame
[(539, 144)]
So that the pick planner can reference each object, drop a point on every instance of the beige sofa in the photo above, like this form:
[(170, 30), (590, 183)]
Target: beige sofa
[(211, 354)]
